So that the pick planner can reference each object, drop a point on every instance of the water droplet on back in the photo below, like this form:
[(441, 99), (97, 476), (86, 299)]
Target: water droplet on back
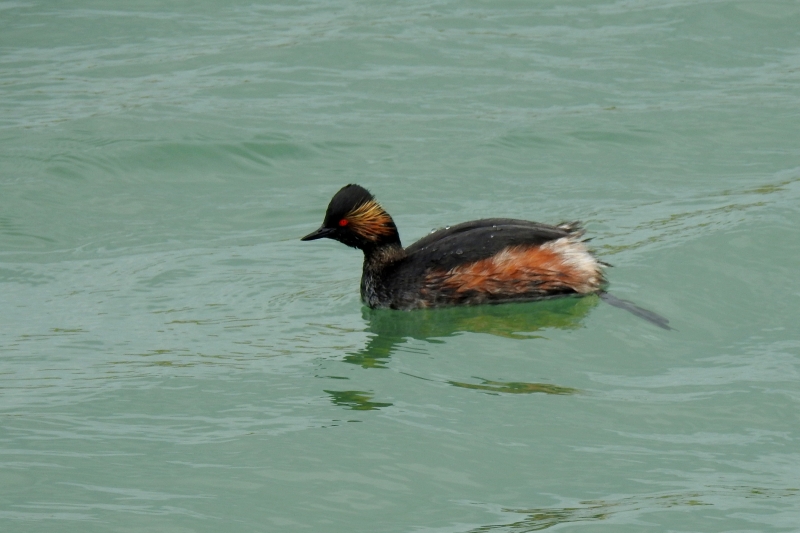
[(447, 227), (459, 251)]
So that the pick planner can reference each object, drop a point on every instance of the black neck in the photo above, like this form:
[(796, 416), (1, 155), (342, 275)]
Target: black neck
[(383, 253)]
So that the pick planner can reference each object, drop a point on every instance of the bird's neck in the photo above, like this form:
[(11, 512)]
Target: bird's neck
[(378, 257)]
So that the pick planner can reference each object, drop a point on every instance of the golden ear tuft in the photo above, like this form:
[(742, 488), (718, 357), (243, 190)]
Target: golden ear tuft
[(370, 221)]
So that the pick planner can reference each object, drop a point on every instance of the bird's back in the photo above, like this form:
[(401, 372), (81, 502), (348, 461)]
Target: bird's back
[(490, 261)]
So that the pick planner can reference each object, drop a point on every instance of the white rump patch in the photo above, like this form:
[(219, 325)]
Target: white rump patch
[(574, 253)]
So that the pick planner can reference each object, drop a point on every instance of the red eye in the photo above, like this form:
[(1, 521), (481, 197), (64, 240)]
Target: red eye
[(343, 222)]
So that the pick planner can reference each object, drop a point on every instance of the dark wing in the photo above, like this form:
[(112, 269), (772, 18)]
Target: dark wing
[(479, 239)]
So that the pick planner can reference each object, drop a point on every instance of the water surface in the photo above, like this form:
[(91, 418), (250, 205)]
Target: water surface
[(173, 358)]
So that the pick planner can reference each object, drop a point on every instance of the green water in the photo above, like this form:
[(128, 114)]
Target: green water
[(174, 359)]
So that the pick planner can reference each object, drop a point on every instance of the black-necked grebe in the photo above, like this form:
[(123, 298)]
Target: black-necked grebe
[(494, 260)]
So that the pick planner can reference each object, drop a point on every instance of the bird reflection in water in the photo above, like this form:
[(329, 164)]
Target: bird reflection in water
[(390, 329), (355, 400)]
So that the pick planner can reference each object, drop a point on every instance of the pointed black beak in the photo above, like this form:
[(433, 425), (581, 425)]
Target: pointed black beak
[(319, 234)]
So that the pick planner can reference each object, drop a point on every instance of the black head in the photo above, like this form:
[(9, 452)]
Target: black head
[(356, 219)]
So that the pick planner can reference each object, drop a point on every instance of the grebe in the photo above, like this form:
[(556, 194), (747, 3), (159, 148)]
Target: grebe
[(488, 261)]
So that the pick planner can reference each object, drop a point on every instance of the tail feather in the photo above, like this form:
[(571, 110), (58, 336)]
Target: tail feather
[(575, 227)]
